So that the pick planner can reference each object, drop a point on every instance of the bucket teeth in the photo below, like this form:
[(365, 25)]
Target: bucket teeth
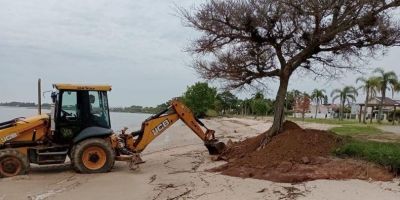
[(215, 147)]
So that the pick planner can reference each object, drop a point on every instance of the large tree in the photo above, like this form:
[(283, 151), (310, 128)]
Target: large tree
[(244, 42), (369, 86), (386, 80), (200, 98), (318, 97), (228, 101)]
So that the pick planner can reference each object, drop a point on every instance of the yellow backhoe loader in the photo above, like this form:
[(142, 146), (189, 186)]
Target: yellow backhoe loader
[(79, 126)]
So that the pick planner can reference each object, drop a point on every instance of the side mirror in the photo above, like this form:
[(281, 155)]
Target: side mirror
[(53, 97)]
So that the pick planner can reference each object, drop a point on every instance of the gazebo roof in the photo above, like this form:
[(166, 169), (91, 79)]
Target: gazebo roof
[(386, 102)]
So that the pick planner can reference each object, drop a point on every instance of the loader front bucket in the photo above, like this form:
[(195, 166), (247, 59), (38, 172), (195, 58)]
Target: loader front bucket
[(214, 147)]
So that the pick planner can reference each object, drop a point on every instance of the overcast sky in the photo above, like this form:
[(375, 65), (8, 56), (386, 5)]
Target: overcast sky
[(134, 45)]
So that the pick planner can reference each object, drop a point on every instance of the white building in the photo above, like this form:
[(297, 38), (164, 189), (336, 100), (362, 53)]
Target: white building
[(324, 111), (373, 107)]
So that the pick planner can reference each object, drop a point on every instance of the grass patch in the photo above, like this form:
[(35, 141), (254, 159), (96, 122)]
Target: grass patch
[(351, 130), (337, 121), (211, 113), (325, 121), (386, 154)]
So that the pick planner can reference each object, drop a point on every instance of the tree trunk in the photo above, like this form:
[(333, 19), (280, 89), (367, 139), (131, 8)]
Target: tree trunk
[(372, 110), (381, 105), (316, 109), (380, 109), (394, 115), (366, 106), (278, 110), (341, 111)]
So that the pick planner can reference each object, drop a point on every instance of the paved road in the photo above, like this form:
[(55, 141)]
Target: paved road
[(392, 129)]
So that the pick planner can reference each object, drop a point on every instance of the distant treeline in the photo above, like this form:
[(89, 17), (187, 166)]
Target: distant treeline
[(140, 109), (24, 104), (131, 109)]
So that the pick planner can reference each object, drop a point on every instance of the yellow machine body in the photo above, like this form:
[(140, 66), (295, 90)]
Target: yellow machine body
[(157, 124), (26, 129), (75, 87)]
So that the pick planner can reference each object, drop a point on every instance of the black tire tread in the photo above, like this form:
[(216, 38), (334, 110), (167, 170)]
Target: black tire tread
[(77, 150), (23, 158)]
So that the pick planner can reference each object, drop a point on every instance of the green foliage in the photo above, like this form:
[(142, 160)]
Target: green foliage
[(387, 154), (347, 94), (369, 85), (211, 113), (19, 104), (355, 129), (326, 99), (318, 96), (258, 106), (386, 80), (258, 95), (245, 106), (291, 97), (226, 102), (327, 121), (218, 106), (140, 109), (347, 109), (397, 115), (199, 98)]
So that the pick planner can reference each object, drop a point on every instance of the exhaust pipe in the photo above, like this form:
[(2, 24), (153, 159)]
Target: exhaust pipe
[(39, 97)]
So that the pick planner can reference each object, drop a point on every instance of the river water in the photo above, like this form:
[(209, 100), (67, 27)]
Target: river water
[(118, 120)]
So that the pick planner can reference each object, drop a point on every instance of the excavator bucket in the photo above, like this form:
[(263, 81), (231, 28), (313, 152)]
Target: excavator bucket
[(214, 147)]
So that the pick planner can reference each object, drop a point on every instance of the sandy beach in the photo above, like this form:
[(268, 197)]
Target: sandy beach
[(175, 169)]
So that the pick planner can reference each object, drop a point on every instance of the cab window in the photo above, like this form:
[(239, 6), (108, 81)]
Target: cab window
[(69, 109), (99, 109)]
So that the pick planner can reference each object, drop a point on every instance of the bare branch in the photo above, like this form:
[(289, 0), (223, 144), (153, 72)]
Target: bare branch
[(245, 41)]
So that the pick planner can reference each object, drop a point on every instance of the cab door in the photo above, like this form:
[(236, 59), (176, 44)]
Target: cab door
[(69, 121)]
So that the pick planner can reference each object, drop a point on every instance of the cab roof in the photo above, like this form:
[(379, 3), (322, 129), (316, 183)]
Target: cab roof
[(63, 86)]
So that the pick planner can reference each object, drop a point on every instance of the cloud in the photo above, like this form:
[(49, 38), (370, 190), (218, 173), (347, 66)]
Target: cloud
[(136, 46)]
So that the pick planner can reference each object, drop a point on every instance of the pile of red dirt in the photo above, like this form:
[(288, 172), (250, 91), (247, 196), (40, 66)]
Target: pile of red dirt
[(295, 155)]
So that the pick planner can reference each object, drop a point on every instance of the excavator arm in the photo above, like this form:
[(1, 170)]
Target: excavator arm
[(158, 123)]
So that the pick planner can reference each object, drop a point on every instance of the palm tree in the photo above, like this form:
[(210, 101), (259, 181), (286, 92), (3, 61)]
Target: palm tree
[(346, 94), (386, 81), (395, 88), (369, 86), (318, 96)]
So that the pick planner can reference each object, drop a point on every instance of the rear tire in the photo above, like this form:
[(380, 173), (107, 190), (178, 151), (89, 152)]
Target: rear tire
[(93, 155), (13, 163)]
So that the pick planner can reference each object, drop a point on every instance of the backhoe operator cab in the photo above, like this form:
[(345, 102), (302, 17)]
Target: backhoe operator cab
[(80, 112)]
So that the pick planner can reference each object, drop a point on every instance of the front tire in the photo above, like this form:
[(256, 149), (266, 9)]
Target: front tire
[(93, 155)]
